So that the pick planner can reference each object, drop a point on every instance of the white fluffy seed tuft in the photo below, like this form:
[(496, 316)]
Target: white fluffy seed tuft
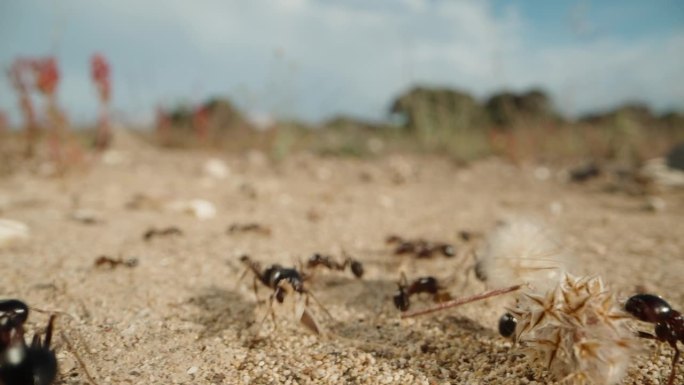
[(522, 251)]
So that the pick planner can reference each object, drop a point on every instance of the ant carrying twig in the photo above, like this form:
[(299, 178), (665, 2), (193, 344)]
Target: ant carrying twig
[(22, 364), (427, 285), (420, 248), (669, 323), (327, 261), (283, 280)]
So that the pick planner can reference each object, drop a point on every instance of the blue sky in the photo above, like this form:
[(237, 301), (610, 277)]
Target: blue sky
[(312, 59)]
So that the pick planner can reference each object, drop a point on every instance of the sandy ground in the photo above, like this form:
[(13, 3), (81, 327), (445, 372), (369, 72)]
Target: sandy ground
[(183, 316)]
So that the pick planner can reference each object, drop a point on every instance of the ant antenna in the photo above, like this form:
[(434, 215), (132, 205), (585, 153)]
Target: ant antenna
[(461, 301)]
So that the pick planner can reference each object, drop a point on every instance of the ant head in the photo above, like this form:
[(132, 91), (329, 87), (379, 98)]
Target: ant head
[(448, 250), (357, 269), (480, 273), (316, 258), (393, 239), (245, 258), (647, 307), (401, 299), (428, 284), (507, 325), (13, 313)]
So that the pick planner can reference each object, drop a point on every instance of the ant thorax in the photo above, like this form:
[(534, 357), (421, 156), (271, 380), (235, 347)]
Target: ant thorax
[(291, 276)]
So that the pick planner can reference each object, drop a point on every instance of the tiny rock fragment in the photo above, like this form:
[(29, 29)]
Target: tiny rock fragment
[(86, 216), (216, 168), (12, 232), (199, 208)]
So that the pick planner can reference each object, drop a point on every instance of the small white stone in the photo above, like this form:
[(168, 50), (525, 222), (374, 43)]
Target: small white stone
[(192, 370), (12, 231)]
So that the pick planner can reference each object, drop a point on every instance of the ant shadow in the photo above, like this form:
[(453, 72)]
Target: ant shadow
[(221, 309), (362, 295)]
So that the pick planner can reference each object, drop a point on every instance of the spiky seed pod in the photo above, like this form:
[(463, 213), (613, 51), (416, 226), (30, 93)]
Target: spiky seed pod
[(522, 251), (576, 330)]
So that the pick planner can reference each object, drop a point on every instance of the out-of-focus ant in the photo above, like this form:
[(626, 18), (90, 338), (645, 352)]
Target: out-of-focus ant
[(104, 260), (283, 280), (249, 228), (427, 285), (420, 248), (22, 364), (669, 323), (327, 261), (153, 233)]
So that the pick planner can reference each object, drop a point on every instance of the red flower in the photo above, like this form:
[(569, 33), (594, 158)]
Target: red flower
[(100, 73), (47, 75)]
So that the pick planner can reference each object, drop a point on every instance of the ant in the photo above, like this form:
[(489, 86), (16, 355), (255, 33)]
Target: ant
[(325, 260), (249, 227), (669, 323), (114, 262), (153, 233), (420, 248), (282, 280), (421, 285), (22, 364)]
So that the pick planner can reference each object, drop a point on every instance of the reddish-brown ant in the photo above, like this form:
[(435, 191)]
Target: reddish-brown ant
[(427, 285), (419, 248), (153, 233), (282, 280), (22, 364), (669, 323), (249, 227), (327, 261), (104, 260)]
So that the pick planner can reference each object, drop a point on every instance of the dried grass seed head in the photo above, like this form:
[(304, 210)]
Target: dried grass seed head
[(577, 330)]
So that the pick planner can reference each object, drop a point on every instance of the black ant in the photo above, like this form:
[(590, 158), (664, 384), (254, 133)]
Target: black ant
[(282, 280), (22, 364), (420, 248), (427, 285), (325, 260), (669, 323)]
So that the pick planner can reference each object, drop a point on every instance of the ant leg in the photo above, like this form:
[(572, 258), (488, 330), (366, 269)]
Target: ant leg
[(309, 294), (255, 287), (649, 336), (674, 365), (242, 275), (48, 331), (646, 335), (268, 312)]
